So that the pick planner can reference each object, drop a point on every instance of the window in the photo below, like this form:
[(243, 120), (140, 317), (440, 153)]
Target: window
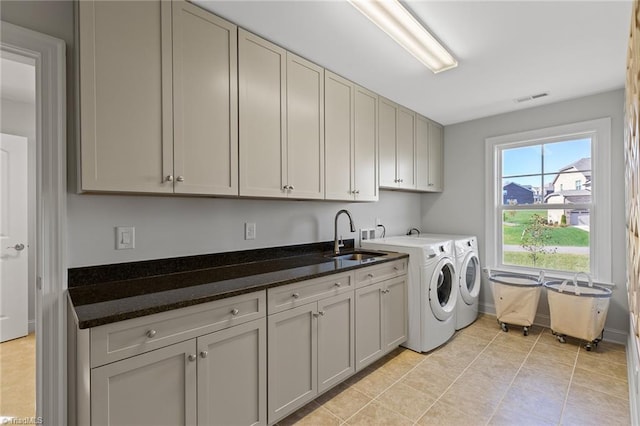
[(548, 202)]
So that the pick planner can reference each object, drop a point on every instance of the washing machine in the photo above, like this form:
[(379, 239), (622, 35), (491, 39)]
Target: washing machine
[(432, 288), (469, 275)]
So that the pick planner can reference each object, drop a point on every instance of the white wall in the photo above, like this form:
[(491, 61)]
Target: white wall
[(19, 118), (180, 226), (460, 208)]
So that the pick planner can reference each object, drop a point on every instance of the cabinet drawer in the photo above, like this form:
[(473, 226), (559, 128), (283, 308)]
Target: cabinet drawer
[(123, 339), (374, 274), (297, 294)]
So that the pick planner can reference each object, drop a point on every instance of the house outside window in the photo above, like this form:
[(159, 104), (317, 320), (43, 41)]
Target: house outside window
[(537, 223)]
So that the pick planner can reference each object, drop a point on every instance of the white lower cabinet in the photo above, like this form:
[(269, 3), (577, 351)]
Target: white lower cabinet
[(310, 349), (216, 379), (156, 388), (381, 319)]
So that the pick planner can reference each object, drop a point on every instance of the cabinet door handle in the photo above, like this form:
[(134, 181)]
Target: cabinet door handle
[(291, 188), (169, 178), (315, 315), (295, 295), (204, 354), (286, 187), (192, 357), (180, 178), (235, 312), (151, 333), (357, 191), (321, 313)]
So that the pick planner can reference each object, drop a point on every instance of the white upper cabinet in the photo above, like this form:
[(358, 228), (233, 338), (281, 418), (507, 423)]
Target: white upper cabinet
[(436, 157), (281, 122), (205, 102), (126, 127), (305, 128), (350, 141), (396, 127), (158, 98)]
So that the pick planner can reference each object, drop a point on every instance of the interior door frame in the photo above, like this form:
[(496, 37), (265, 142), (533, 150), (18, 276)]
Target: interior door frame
[(51, 208)]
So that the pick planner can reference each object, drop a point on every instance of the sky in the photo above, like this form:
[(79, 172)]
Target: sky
[(529, 160)]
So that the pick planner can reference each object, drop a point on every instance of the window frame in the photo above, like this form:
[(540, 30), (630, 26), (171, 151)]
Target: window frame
[(599, 130)]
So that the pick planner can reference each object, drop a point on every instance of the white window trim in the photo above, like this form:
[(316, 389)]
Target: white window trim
[(600, 239)]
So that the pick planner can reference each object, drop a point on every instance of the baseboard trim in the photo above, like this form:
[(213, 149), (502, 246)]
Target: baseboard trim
[(31, 327), (610, 334)]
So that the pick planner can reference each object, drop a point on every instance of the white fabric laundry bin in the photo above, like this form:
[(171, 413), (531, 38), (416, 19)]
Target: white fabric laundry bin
[(578, 310), (516, 298)]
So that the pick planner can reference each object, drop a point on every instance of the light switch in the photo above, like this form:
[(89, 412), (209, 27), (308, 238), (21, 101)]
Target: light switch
[(125, 237)]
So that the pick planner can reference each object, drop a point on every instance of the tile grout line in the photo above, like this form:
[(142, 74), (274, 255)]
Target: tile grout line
[(456, 379), (495, 410), (566, 396)]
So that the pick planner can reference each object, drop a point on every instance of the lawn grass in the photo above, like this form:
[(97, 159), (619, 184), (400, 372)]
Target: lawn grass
[(515, 222), (557, 261)]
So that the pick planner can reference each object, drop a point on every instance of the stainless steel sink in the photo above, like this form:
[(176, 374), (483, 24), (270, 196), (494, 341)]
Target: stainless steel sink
[(357, 255)]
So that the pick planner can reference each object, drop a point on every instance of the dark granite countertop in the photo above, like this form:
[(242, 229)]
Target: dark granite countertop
[(110, 293)]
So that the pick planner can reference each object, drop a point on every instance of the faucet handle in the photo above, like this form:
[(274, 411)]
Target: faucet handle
[(340, 242)]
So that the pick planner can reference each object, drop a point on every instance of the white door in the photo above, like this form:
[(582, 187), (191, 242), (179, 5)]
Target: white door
[(13, 237)]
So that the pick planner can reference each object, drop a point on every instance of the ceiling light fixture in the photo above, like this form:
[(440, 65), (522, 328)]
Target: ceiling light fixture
[(401, 26)]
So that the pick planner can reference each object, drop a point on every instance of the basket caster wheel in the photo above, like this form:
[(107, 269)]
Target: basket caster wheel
[(525, 331), (504, 327), (588, 347), (561, 339)]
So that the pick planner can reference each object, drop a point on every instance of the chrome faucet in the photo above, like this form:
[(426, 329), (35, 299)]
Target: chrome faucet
[(336, 243)]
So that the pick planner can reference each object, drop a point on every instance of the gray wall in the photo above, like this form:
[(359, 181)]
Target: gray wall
[(461, 207)]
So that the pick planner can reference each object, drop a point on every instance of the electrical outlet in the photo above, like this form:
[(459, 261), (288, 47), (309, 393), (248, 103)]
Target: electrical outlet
[(125, 237), (249, 231), (364, 234)]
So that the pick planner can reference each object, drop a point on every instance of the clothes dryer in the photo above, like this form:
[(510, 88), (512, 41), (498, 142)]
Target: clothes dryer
[(469, 275), (432, 289)]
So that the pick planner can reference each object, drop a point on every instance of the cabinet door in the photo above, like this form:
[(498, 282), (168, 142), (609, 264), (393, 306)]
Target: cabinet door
[(405, 143), (365, 145), (436, 157), (305, 128), (338, 137), (261, 101), (205, 108), (292, 360), (369, 339), (156, 388), (422, 153), (232, 376), (126, 134), (387, 128), (394, 313), (335, 340)]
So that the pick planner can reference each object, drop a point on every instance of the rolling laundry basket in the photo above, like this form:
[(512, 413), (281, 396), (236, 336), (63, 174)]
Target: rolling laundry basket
[(579, 310), (516, 298)]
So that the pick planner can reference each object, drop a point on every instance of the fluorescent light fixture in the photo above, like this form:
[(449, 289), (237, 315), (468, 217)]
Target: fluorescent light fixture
[(401, 26)]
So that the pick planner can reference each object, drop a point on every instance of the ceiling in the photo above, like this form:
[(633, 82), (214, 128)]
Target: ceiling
[(18, 81), (505, 49)]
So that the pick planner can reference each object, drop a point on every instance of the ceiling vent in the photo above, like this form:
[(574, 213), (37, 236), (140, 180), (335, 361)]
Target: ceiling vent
[(531, 97)]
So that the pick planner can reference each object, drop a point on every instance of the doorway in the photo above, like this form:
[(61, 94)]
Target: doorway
[(46, 244), (17, 236)]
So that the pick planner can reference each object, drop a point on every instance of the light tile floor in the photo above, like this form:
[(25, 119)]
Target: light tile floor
[(18, 377), (483, 376)]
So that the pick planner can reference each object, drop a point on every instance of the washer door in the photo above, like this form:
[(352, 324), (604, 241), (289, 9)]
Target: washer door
[(470, 278), (443, 290)]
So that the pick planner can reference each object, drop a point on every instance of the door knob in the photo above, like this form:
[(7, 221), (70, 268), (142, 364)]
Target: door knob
[(17, 247)]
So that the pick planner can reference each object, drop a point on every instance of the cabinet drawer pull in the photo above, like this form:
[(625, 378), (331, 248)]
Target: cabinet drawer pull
[(204, 354), (338, 285), (192, 357), (235, 312), (370, 275), (395, 268), (151, 333), (295, 295)]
